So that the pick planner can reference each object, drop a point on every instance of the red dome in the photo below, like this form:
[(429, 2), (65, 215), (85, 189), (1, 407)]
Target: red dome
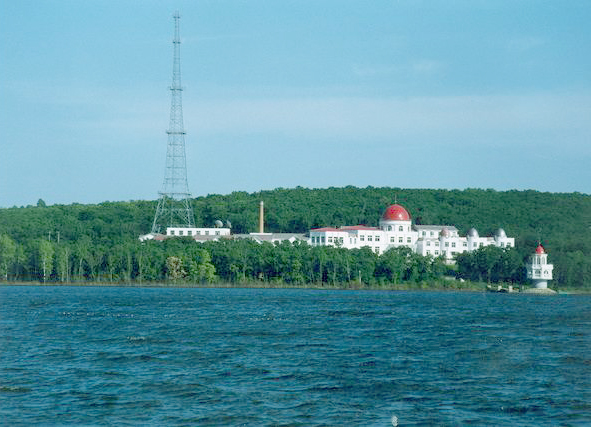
[(540, 249), (396, 213)]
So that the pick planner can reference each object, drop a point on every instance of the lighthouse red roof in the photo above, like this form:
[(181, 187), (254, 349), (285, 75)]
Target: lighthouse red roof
[(396, 213), (540, 249)]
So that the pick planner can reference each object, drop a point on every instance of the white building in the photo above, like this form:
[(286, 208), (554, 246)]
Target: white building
[(219, 232), (396, 229), (538, 270), (198, 234)]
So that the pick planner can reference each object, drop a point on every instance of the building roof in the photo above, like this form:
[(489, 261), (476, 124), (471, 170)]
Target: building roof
[(434, 228), (540, 249), (329, 229), (358, 227), (396, 213), (271, 237)]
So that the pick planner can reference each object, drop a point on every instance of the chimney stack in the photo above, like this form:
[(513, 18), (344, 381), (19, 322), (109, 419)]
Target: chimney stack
[(262, 217)]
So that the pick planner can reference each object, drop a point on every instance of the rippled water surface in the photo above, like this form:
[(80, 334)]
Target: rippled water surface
[(229, 357)]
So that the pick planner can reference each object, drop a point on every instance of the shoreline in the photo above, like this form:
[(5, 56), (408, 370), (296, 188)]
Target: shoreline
[(342, 287), (256, 285)]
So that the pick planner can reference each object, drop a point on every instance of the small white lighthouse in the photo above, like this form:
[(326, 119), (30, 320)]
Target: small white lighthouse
[(538, 270)]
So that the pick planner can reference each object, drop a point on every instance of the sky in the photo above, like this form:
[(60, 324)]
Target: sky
[(448, 94)]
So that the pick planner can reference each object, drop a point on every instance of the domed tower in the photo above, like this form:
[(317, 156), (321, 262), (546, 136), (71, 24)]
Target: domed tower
[(538, 270), (500, 234), (397, 226), (473, 239), (394, 217), (445, 240)]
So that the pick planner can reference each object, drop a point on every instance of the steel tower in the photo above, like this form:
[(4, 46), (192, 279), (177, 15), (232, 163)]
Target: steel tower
[(174, 204)]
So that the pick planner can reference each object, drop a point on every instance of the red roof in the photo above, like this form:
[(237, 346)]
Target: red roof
[(540, 249), (396, 213)]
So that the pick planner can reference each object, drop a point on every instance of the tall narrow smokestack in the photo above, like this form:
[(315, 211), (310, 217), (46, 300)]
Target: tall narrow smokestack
[(262, 217)]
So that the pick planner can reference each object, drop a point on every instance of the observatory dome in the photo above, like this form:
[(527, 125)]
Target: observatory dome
[(500, 233)]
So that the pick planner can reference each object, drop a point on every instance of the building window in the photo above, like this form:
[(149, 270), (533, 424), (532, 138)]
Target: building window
[(447, 244), (465, 244), (369, 238), (362, 238), (408, 240), (389, 228), (377, 238), (207, 232), (424, 233), (217, 233), (436, 252), (330, 240), (377, 250), (392, 240), (322, 239), (431, 233), (172, 232), (400, 228), (436, 243), (453, 244), (400, 240), (428, 243)]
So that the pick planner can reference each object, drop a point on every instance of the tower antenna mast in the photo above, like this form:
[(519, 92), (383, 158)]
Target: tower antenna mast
[(174, 203)]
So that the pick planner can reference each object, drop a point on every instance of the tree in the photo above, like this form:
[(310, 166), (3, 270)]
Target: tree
[(46, 252), (201, 270), (174, 268), (7, 255), (62, 259)]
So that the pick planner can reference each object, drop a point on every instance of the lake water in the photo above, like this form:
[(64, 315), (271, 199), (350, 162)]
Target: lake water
[(233, 357)]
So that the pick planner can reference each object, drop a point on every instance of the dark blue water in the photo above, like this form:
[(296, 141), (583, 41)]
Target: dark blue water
[(229, 357)]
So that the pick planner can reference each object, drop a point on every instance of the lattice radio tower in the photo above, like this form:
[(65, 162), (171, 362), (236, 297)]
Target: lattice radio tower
[(174, 204)]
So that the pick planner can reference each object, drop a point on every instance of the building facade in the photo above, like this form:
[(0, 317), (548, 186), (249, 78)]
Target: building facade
[(396, 230)]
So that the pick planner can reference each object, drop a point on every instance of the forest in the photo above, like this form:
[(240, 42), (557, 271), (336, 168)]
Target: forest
[(99, 243)]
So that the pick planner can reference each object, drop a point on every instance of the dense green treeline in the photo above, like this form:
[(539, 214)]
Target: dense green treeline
[(78, 243)]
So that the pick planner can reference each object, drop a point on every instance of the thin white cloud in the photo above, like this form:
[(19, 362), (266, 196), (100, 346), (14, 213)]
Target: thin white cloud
[(524, 43), (367, 118), (419, 66), (374, 70), (427, 66)]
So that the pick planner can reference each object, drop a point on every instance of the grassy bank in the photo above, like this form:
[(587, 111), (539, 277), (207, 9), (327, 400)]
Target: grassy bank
[(444, 286)]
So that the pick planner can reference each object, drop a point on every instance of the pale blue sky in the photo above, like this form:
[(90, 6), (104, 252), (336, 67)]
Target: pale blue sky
[(315, 93)]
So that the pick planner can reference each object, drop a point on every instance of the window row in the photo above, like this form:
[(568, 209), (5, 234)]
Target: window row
[(190, 233)]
